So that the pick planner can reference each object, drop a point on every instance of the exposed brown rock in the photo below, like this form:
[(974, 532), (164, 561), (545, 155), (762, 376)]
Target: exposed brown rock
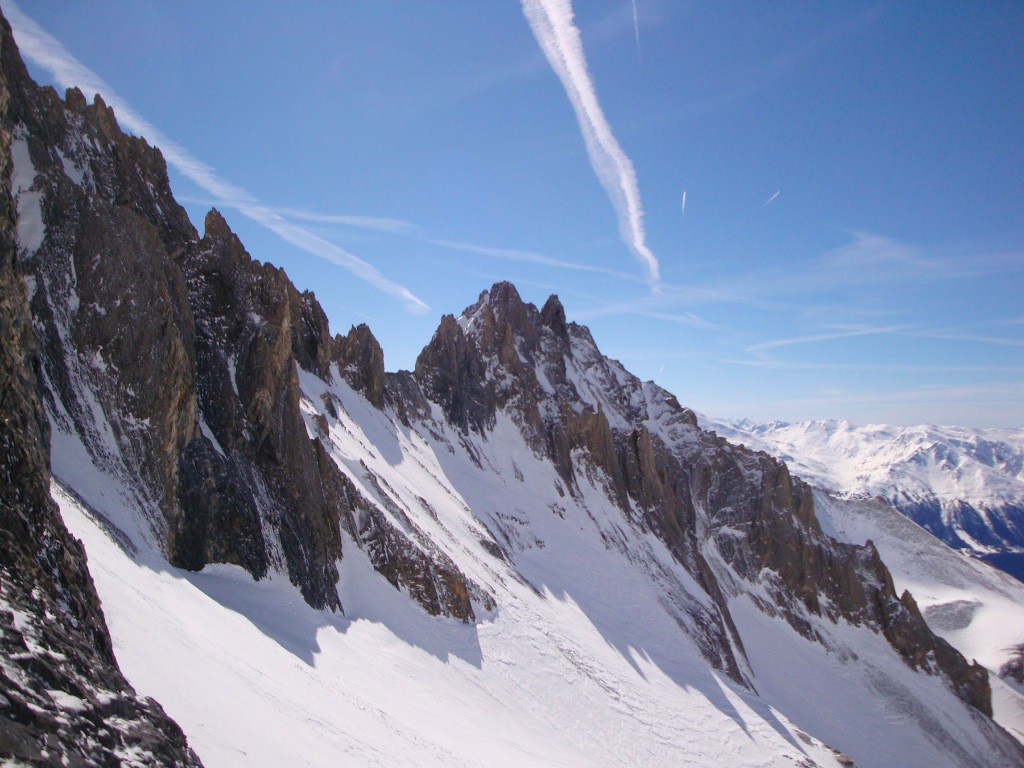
[(53, 637), (192, 351), (361, 361), (451, 373), (759, 518)]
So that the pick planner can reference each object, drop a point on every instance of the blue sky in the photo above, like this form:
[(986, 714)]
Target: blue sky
[(852, 240)]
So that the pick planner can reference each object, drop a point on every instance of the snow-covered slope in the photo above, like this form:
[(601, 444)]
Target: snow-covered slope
[(594, 650), (569, 669), (977, 608), (582, 662), (964, 485)]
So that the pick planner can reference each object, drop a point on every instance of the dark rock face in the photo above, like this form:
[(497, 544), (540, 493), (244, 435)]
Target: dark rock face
[(830, 578), (1014, 668), (176, 361), (690, 485), (54, 645), (427, 574), (361, 361), (251, 329), (452, 375)]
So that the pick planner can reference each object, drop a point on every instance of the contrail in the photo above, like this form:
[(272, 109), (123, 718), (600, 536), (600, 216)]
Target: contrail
[(771, 198), (529, 257), (47, 52), (636, 30), (552, 25), (682, 213), (375, 223)]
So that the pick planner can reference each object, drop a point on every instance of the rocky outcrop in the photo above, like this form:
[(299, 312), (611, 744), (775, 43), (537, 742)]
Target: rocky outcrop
[(827, 578), (453, 375), (361, 361), (63, 700), (1014, 668), (963, 485), (252, 329), (708, 500), (176, 360), (422, 570)]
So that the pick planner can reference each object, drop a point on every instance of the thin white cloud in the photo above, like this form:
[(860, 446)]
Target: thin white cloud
[(839, 334), (871, 258), (636, 31), (375, 223), (994, 393), (867, 260), (46, 52), (646, 308), (680, 318), (552, 25), (911, 331), (985, 404), (772, 198), (666, 304), (383, 224), (1000, 341), (528, 257), (784, 365)]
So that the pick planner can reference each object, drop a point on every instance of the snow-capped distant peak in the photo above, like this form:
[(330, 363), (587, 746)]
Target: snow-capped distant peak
[(964, 485)]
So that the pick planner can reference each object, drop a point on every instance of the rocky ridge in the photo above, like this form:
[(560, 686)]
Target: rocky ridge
[(174, 358), (64, 701), (697, 492)]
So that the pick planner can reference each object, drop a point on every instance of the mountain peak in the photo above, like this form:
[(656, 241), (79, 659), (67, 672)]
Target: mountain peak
[(215, 225), (75, 99), (553, 316), (502, 293), (361, 360), (609, 535), (504, 304)]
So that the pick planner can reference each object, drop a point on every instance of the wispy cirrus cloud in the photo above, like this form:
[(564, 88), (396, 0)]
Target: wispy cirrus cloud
[(833, 365), (45, 51), (383, 224), (641, 310), (999, 341), (375, 223), (529, 257), (401, 227), (906, 330), (840, 333), (991, 394), (553, 26), (985, 403), (872, 258), (867, 259)]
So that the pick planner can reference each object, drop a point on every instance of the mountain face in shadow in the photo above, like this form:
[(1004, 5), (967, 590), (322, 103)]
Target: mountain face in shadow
[(64, 701)]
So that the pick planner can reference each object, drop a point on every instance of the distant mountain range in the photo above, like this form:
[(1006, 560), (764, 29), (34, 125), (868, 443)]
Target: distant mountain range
[(965, 486)]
